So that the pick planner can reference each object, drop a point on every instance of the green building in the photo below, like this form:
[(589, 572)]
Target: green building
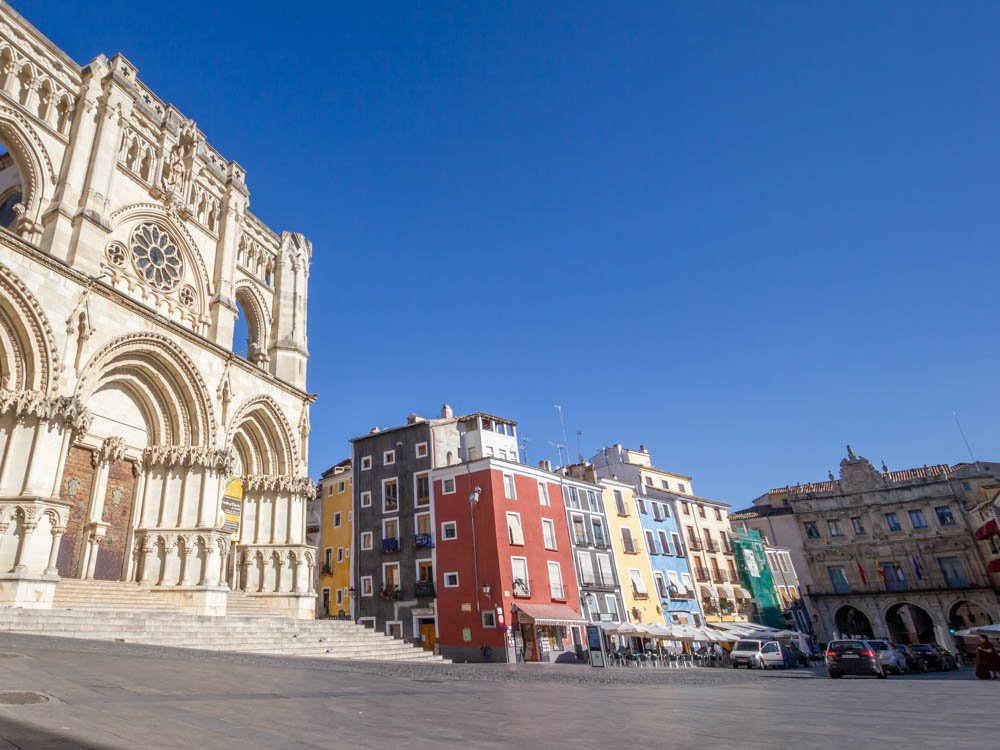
[(755, 573)]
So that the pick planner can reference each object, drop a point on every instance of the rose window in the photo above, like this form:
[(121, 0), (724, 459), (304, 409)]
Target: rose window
[(117, 254), (156, 257)]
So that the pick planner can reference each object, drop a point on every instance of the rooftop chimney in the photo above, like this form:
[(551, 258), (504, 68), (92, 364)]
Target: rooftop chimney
[(545, 465), (446, 412)]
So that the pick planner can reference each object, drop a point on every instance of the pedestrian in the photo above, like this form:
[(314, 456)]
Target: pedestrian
[(986, 659)]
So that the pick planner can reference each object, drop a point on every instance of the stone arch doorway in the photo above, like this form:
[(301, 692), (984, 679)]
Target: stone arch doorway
[(851, 621), (909, 624), (967, 614)]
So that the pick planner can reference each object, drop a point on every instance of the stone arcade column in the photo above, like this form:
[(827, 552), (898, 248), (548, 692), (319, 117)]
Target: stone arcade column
[(38, 428)]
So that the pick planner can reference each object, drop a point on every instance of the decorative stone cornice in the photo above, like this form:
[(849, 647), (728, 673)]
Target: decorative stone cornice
[(62, 410), (221, 460), (303, 486)]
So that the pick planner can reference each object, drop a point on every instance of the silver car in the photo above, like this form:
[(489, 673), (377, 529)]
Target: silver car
[(890, 659)]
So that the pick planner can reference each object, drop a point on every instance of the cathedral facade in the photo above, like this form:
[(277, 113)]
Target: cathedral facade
[(138, 441)]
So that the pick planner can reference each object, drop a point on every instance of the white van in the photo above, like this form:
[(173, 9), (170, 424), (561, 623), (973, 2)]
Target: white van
[(756, 653)]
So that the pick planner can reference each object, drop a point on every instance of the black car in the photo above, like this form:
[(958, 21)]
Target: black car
[(914, 662), (853, 657), (934, 656)]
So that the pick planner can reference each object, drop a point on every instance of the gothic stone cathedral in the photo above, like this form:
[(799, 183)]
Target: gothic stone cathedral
[(127, 254)]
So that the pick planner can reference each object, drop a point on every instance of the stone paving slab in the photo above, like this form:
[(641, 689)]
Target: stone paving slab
[(105, 695)]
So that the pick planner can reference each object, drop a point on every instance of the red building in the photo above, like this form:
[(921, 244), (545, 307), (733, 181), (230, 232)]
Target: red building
[(506, 582)]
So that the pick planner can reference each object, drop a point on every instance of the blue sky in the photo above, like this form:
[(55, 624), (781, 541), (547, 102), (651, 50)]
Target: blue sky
[(742, 234)]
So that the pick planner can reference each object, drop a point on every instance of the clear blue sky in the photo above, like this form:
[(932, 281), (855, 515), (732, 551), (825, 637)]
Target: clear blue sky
[(743, 236)]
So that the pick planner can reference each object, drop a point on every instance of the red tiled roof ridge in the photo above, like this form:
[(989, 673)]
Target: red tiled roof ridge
[(903, 475)]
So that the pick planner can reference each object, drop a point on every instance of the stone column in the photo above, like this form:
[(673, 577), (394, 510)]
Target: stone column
[(147, 550), (209, 552), (311, 568), (93, 544), (223, 562), (57, 535), (27, 529), (299, 565), (186, 562)]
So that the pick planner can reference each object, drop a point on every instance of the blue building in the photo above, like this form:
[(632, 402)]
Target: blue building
[(667, 557)]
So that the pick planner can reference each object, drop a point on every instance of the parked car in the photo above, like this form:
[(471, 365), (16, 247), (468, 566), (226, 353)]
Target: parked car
[(753, 653), (914, 662), (853, 657), (889, 657), (935, 657)]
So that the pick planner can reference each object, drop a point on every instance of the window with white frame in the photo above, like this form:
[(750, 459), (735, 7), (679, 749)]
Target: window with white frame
[(448, 487), (336, 520), (422, 489), (366, 463), (422, 526), (366, 499), (515, 533), (367, 622), (651, 543), (606, 570), (661, 584), (340, 554), (612, 603), (390, 530), (366, 586), (366, 540), (519, 569), (421, 450), (489, 618), (340, 597), (549, 533), (509, 489), (556, 588), (449, 530), (638, 585), (641, 505), (451, 580), (586, 563), (390, 495), (543, 493), (389, 458), (341, 486), (329, 490), (664, 544)]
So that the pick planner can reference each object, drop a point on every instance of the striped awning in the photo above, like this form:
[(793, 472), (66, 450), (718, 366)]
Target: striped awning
[(709, 591)]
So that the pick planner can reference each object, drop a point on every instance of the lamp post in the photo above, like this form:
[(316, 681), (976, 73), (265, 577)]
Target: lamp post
[(473, 502)]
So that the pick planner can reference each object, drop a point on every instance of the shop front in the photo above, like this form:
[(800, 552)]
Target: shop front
[(544, 632)]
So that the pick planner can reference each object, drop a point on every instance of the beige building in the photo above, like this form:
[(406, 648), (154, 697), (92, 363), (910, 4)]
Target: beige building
[(890, 554), (127, 253), (704, 525)]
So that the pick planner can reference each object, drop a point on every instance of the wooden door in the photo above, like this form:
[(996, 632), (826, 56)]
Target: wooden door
[(77, 480), (427, 640), (117, 513)]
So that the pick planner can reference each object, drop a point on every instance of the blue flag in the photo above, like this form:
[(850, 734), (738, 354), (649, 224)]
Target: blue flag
[(916, 567)]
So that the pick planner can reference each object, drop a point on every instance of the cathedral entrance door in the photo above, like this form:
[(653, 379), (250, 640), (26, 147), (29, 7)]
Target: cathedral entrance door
[(77, 483), (117, 514)]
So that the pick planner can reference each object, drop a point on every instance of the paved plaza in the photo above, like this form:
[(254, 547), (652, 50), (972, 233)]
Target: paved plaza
[(111, 695)]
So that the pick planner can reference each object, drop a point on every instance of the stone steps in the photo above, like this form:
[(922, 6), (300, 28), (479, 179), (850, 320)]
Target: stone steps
[(112, 610)]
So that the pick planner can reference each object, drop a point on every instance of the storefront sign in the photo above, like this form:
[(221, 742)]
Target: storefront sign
[(466, 607), (422, 612)]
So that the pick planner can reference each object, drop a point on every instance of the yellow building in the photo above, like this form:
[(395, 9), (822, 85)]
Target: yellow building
[(335, 544), (631, 559)]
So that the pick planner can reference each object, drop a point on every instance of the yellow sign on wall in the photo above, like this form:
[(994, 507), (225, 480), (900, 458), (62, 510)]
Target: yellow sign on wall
[(232, 508)]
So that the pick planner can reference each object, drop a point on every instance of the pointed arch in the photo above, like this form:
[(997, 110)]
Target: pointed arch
[(262, 438), (255, 308), (33, 164), (28, 358), (162, 380)]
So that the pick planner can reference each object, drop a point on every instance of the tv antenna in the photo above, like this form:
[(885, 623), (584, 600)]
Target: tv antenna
[(562, 424), (560, 447), (579, 445)]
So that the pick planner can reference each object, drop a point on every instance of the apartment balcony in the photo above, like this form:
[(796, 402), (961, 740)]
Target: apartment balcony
[(390, 545), (681, 552), (580, 541), (676, 593), (327, 569), (522, 588), (640, 594), (622, 511), (664, 594), (702, 576), (695, 546), (391, 592), (711, 546), (601, 543), (709, 608), (424, 590), (557, 592), (423, 541), (629, 548), (720, 576)]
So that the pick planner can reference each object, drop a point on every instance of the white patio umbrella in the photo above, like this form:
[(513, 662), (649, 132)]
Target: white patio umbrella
[(627, 628), (611, 628), (658, 631)]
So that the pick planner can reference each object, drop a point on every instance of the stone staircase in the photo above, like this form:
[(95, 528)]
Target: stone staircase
[(111, 610)]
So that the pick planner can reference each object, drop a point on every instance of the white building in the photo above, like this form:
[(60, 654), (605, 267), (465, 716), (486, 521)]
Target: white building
[(126, 252)]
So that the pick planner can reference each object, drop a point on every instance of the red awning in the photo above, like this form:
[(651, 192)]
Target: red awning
[(994, 566), (548, 614), (988, 529)]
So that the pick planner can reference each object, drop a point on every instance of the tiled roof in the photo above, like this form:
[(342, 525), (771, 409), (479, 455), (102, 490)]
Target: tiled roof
[(759, 512), (904, 475)]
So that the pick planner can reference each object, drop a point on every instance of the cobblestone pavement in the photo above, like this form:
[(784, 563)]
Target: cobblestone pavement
[(109, 695)]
